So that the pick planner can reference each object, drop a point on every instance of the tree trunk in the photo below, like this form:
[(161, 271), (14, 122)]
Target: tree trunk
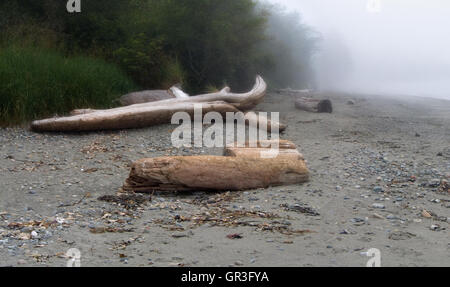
[(240, 170), (137, 117), (148, 114), (314, 105)]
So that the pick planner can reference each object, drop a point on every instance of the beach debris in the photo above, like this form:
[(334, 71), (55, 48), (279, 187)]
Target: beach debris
[(436, 227), (179, 235), (444, 186), (154, 113), (235, 236), (127, 200), (378, 216), (33, 223), (301, 209), (378, 205), (243, 171), (101, 229), (214, 210), (401, 235), (314, 105), (94, 147), (426, 214)]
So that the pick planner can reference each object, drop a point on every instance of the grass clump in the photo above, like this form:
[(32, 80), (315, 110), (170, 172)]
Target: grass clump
[(36, 83)]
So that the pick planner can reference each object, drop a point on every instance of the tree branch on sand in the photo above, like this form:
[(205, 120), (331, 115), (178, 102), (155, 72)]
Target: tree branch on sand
[(156, 112)]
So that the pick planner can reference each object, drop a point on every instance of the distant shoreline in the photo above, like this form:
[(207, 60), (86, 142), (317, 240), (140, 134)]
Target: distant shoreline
[(390, 95)]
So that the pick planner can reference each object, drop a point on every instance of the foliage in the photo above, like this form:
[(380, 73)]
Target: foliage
[(38, 83), (199, 43)]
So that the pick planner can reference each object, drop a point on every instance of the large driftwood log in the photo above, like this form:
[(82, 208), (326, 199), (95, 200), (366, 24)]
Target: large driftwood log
[(145, 97), (249, 118), (314, 105), (239, 171), (142, 116), (147, 114)]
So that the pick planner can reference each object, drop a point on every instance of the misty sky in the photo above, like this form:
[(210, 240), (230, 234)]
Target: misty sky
[(401, 48)]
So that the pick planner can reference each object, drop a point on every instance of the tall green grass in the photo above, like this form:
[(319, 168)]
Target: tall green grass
[(36, 83)]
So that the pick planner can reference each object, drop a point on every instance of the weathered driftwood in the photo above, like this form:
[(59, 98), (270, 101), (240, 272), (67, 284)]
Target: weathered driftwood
[(257, 152), (152, 96), (249, 117), (145, 97), (243, 102), (286, 149), (120, 118), (82, 112), (255, 119), (177, 92), (239, 171), (147, 114), (314, 105)]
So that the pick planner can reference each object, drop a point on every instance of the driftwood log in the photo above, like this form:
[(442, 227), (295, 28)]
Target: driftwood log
[(254, 149), (314, 105), (135, 116), (152, 96), (148, 114), (251, 118), (145, 97), (241, 169)]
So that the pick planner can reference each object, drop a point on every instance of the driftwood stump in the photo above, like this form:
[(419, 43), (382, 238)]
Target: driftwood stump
[(240, 169)]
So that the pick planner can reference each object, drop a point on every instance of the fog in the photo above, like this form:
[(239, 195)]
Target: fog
[(396, 47)]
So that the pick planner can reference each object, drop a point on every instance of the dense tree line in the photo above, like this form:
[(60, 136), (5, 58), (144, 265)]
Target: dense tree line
[(159, 42)]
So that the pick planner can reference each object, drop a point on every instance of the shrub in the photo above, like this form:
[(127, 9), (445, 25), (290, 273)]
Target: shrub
[(38, 83)]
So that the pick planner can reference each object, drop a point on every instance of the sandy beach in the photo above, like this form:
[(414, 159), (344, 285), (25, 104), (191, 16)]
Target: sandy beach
[(378, 170)]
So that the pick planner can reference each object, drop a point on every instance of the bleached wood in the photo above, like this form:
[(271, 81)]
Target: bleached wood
[(120, 118), (147, 114), (145, 97), (240, 169), (252, 117)]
